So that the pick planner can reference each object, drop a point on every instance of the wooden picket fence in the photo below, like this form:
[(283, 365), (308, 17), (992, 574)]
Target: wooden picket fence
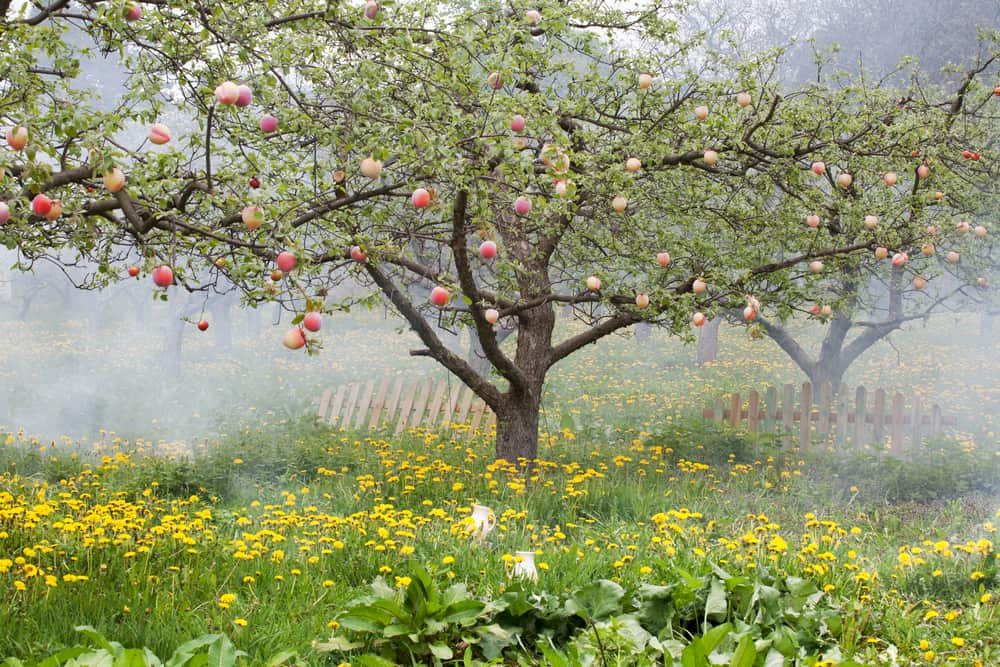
[(419, 403), (844, 419)]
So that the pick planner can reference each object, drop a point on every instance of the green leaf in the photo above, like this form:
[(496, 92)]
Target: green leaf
[(369, 660), (96, 638), (745, 654), (716, 605), (463, 611), (441, 651), (712, 638), (222, 653), (341, 644), (596, 600), (694, 655)]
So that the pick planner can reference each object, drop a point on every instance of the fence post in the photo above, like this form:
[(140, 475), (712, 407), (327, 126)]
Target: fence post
[(935, 419), (916, 427), (736, 410), (753, 413), (860, 417), (787, 415), (720, 412), (771, 407), (878, 417), (842, 393), (805, 423), (365, 400), (825, 399), (897, 423)]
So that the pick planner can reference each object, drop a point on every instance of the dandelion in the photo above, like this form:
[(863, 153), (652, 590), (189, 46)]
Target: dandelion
[(241, 622), (958, 641)]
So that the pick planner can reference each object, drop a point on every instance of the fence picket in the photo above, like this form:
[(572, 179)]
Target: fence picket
[(771, 409), (337, 401), (404, 409), (897, 423), (878, 419), (805, 421), (841, 442), (435, 408), (363, 403), (383, 387), (735, 410), (825, 399), (345, 420), (324, 403), (860, 418), (787, 414)]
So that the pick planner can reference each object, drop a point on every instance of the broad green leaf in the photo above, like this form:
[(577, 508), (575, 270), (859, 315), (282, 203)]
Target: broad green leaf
[(745, 654), (596, 600)]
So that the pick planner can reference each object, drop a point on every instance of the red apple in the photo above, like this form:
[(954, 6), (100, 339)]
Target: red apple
[(749, 313), (923, 171), (815, 310), (641, 300), (114, 180), (967, 154), (698, 319), (645, 80), (227, 92), (890, 178), (812, 221), (491, 315), (268, 123), (844, 180), (163, 276), (619, 204), (699, 286), (254, 182), (743, 99), (253, 217), (159, 134), (975, 157), (4, 213), (495, 80), (439, 296), (633, 164), (663, 258), (41, 204), (245, 96), (133, 271), (522, 205), (594, 284), (133, 12), (358, 255), (710, 157), (899, 259), (371, 168), (818, 168), (203, 325), (487, 249), (294, 339), (286, 261), (420, 198), (562, 187), (517, 123), (312, 321), (371, 9)]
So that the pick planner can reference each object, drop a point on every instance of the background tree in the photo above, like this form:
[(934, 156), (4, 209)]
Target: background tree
[(400, 128)]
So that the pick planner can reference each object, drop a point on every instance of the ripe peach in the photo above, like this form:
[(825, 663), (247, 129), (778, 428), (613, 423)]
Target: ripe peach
[(699, 286), (881, 253), (522, 205), (871, 221), (899, 259), (698, 319), (818, 168), (645, 80), (980, 231), (812, 221), (710, 157), (827, 310), (919, 282), (533, 16), (701, 112), (816, 266), (632, 165), (923, 171), (517, 123), (844, 180), (962, 227), (55, 211), (743, 99), (927, 249), (953, 257), (890, 178)]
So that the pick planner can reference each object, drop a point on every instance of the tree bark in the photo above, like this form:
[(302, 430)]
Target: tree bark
[(708, 341), (517, 426)]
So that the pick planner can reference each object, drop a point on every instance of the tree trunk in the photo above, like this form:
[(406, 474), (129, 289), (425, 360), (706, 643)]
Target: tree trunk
[(708, 341), (517, 427)]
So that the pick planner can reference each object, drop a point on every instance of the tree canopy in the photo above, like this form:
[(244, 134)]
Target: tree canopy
[(616, 165)]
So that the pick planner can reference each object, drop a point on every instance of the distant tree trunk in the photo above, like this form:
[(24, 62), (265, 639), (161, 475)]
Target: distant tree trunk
[(222, 323), (643, 332), (181, 307), (708, 341)]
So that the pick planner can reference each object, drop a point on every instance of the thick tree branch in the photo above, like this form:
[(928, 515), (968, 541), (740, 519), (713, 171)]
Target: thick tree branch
[(609, 326)]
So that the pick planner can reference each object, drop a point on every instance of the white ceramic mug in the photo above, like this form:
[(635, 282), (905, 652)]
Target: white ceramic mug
[(484, 520), (524, 565)]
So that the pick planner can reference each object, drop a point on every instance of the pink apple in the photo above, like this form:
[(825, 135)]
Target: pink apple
[(562, 187), (358, 255), (699, 286), (491, 315), (844, 180), (114, 180), (245, 96), (962, 227), (522, 205), (980, 231), (41, 204), (55, 211), (698, 319), (812, 221), (517, 123), (487, 249), (816, 266), (163, 276), (371, 9), (701, 112), (815, 310), (923, 171), (749, 313), (533, 16), (953, 257), (619, 204), (663, 258), (899, 259), (4, 213), (633, 164), (253, 217), (159, 134), (919, 282), (743, 99), (818, 168), (133, 12), (286, 261), (17, 137), (594, 283), (312, 321), (494, 80), (827, 311), (641, 300), (645, 80), (227, 92), (371, 168), (268, 123), (294, 339), (439, 296), (881, 253), (133, 271), (927, 249), (871, 221), (710, 157), (932, 230), (420, 198), (890, 178)]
